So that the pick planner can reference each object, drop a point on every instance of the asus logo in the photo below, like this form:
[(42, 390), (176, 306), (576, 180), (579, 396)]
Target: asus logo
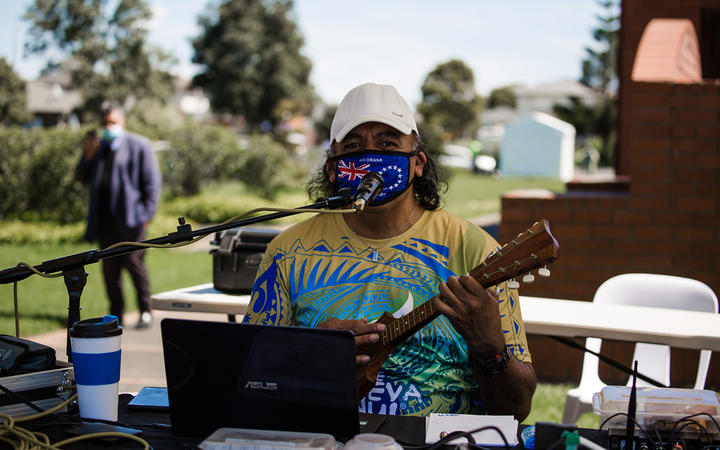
[(259, 385)]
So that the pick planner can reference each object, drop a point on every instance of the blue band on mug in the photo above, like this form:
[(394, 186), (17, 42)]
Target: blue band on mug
[(96, 368)]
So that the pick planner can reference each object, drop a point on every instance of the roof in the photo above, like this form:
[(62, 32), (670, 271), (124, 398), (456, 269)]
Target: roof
[(51, 94)]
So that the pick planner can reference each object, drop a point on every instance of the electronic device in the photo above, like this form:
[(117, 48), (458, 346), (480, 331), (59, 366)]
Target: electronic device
[(224, 374), (150, 399)]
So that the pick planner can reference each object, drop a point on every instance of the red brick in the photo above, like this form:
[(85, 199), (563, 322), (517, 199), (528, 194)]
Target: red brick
[(694, 262), (648, 159), (671, 218), (709, 102), (706, 219), (708, 130), (653, 232), (644, 100), (709, 160), (572, 232), (630, 247), (651, 130), (652, 263), (659, 114), (658, 187), (684, 131), (696, 204), (657, 143), (694, 175), (652, 88), (611, 232), (593, 216), (665, 247), (650, 203), (694, 234), (514, 215), (684, 101), (696, 145), (696, 116), (631, 217), (706, 248)]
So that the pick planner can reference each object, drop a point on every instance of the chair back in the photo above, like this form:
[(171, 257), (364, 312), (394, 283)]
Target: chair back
[(659, 291)]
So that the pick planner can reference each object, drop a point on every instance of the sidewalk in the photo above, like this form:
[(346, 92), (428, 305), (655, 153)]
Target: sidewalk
[(142, 355)]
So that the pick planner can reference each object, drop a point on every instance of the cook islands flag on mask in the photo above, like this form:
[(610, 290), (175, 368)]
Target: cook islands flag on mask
[(392, 166)]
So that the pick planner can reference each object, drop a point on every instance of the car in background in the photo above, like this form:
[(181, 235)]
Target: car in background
[(462, 157)]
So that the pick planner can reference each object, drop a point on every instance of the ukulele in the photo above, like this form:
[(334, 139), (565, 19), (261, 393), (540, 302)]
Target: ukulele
[(533, 249)]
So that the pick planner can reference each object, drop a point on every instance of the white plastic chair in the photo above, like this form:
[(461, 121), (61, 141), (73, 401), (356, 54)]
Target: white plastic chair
[(641, 289)]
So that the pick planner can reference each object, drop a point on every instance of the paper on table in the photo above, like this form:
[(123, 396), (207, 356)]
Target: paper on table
[(438, 424)]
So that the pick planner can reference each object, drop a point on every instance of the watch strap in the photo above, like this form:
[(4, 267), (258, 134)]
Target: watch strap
[(494, 364)]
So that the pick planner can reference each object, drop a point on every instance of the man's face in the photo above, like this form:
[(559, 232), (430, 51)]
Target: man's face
[(376, 136), (112, 118)]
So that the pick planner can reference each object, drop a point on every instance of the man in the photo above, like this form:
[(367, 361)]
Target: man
[(124, 189), (344, 271)]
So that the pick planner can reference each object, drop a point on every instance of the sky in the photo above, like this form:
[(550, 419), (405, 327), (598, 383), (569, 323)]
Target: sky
[(398, 42)]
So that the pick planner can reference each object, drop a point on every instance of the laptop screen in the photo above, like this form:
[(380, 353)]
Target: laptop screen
[(225, 374)]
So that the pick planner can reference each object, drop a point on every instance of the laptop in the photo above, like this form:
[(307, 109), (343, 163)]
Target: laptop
[(225, 374)]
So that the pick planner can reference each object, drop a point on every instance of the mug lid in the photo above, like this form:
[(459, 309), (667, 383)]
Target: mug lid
[(97, 327)]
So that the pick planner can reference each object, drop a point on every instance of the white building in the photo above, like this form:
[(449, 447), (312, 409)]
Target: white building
[(538, 145)]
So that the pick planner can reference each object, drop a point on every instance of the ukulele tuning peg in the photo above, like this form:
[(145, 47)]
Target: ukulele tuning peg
[(528, 278), (512, 284), (544, 272)]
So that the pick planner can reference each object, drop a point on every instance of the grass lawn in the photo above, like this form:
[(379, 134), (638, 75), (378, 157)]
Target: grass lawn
[(43, 302)]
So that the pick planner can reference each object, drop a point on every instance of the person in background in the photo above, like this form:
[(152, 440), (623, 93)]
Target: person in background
[(125, 181), (344, 271)]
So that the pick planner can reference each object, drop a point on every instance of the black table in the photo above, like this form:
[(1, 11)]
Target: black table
[(409, 431)]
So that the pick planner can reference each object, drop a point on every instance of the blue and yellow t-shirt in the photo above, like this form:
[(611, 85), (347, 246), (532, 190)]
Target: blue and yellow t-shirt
[(320, 269)]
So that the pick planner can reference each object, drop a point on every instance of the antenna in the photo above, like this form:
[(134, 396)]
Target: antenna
[(632, 408)]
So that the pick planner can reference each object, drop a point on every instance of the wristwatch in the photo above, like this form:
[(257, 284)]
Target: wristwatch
[(494, 364)]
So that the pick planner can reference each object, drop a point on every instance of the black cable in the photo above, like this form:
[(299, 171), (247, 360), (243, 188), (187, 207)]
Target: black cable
[(634, 421), (21, 398), (469, 436)]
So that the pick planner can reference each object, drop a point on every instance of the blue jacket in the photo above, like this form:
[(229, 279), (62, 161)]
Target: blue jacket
[(134, 185)]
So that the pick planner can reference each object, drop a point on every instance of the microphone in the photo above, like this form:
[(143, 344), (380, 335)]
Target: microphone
[(370, 186)]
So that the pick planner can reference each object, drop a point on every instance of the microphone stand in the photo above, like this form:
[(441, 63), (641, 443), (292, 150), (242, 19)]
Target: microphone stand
[(73, 266)]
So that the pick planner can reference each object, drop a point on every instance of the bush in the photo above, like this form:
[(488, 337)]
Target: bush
[(198, 154), (37, 169), (267, 168)]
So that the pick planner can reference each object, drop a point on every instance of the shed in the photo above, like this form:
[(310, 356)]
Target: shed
[(538, 145)]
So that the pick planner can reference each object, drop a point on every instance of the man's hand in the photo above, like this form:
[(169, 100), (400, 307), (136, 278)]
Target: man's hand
[(474, 313), (364, 332), (90, 145)]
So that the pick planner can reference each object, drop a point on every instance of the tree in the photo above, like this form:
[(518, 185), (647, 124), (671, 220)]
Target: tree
[(449, 100), (599, 71), (13, 103), (104, 49), (599, 68), (250, 50), (502, 96)]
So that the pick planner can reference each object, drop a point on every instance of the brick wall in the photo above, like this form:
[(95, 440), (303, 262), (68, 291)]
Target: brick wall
[(668, 221)]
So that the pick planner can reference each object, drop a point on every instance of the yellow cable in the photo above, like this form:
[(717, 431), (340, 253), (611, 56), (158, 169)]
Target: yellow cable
[(232, 219), (46, 412)]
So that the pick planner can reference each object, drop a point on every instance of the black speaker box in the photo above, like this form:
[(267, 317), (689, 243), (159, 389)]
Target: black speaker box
[(237, 256)]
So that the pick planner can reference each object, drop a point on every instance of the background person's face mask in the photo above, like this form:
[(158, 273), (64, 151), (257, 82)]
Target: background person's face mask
[(112, 131), (392, 166)]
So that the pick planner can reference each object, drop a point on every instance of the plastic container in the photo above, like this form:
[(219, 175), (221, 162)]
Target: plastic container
[(657, 408), (372, 441), (241, 438)]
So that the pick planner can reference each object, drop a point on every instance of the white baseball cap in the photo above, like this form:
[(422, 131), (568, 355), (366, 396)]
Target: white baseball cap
[(372, 102)]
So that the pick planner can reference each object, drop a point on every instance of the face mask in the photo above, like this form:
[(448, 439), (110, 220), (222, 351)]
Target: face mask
[(111, 132), (392, 166)]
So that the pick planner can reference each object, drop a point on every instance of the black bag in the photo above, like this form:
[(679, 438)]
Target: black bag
[(18, 356), (236, 260)]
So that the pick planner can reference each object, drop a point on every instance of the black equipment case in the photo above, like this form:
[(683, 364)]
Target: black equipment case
[(237, 257)]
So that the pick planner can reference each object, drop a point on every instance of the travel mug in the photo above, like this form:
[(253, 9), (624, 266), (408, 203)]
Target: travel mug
[(96, 359)]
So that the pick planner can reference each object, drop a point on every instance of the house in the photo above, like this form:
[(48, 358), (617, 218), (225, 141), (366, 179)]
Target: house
[(51, 101)]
